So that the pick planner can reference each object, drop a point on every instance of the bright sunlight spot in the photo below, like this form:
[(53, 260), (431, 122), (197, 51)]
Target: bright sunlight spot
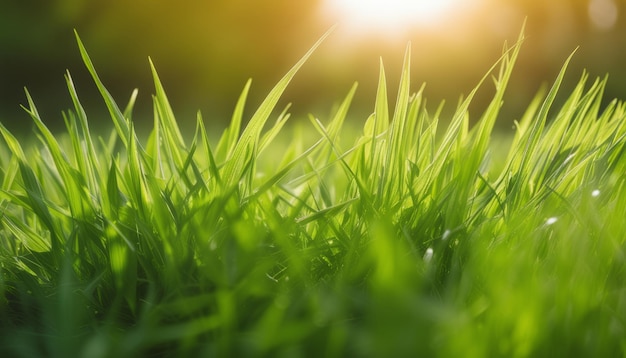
[(428, 255), (391, 16)]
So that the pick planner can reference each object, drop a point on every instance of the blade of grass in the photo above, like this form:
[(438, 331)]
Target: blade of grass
[(120, 122), (233, 168)]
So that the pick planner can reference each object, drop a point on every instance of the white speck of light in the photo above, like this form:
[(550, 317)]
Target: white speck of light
[(428, 255), (551, 220), (603, 14), (595, 193), (445, 235)]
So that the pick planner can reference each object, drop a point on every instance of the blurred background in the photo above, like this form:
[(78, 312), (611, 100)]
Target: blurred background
[(205, 51)]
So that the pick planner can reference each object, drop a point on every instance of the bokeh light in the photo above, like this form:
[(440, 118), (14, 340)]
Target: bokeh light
[(603, 13)]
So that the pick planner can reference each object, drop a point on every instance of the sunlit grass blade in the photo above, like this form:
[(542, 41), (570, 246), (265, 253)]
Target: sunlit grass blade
[(233, 169), (521, 166), (85, 150), (120, 122), (74, 182), (392, 176), (212, 168), (227, 142), (271, 134), (170, 136)]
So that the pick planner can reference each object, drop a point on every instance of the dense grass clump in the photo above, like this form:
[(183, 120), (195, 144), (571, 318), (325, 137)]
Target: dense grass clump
[(405, 242)]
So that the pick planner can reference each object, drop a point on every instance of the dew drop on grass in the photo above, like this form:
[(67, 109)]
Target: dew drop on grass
[(445, 235), (595, 193), (551, 220), (428, 255)]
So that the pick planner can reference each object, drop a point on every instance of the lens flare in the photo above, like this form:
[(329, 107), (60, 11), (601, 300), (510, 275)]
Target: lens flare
[(391, 16)]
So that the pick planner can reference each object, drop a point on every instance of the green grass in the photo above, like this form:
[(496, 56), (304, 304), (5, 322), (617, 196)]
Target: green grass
[(402, 242)]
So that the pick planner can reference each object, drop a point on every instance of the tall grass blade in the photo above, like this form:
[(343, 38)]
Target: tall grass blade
[(233, 168), (120, 122)]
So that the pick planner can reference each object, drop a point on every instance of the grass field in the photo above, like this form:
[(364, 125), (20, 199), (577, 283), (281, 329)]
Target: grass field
[(415, 237)]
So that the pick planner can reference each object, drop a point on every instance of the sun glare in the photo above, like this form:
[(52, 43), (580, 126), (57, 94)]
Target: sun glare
[(391, 16)]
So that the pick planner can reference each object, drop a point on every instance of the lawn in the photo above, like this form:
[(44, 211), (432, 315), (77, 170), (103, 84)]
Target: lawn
[(413, 235)]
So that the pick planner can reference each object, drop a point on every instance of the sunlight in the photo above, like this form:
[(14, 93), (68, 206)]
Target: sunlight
[(391, 16)]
